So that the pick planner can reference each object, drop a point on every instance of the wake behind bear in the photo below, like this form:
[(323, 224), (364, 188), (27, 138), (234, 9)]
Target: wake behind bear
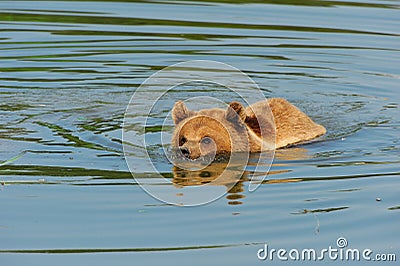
[(271, 124)]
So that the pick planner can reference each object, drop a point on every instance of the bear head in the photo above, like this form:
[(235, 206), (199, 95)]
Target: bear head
[(209, 132)]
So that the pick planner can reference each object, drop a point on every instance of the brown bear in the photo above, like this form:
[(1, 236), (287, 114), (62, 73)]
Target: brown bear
[(271, 124)]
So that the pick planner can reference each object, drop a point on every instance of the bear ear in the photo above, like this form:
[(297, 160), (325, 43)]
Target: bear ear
[(180, 112), (235, 111)]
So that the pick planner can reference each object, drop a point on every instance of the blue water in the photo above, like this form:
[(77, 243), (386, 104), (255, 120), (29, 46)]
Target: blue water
[(68, 70)]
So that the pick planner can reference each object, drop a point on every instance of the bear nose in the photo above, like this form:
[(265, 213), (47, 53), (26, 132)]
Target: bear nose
[(185, 152)]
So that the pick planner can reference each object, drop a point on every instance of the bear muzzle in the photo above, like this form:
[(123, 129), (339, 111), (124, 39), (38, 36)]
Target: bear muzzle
[(185, 152), (193, 152)]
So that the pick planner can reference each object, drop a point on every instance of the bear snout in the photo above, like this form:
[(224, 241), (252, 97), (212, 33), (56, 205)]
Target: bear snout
[(185, 152), (190, 152)]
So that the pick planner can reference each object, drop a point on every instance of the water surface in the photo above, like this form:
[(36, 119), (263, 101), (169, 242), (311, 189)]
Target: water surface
[(69, 68)]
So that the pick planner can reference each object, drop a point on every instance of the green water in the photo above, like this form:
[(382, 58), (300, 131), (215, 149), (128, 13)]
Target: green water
[(69, 68)]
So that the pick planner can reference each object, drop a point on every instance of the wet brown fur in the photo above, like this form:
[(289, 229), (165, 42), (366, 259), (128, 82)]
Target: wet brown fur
[(243, 129)]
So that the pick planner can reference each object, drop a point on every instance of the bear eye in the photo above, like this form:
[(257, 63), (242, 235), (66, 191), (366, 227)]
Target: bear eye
[(182, 141), (206, 141)]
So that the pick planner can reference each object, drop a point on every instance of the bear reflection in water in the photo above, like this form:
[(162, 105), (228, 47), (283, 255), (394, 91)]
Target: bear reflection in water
[(218, 173)]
